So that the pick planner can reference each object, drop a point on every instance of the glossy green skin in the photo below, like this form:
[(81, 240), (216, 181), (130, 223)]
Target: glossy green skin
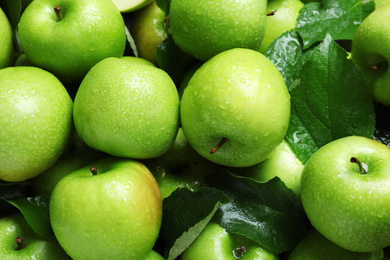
[(6, 44), (282, 163), (214, 243), (349, 208), (140, 115), (34, 247), (368, 49), (153, 255), (90, 30), (76, 156), (233, 95), (205, 28), (148, 31), (284, 19), (380, 3), (316, 246), (36, 123), (115, 214)]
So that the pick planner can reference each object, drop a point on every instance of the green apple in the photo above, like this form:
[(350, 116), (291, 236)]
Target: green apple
[(181, 167), (281, 17), (148, 30), (153, 255), (345, 193), (316, 246), (127, 108), (68, 37), (228, 111), (282, 163), (371, 51), (6, 43), (188, 75), (110, 209), (126, 6), (379, 3), (204, 28), (19, 241), (36, 124), (215, 243), (76, 156), (22, 60)]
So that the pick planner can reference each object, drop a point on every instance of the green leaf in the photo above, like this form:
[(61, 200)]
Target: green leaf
[(171, 59), (331, 101), (13, 9), (9, 191), (269, 213), (164, 5), (36, 212), (185, 214), (339, 18), (382, 128)]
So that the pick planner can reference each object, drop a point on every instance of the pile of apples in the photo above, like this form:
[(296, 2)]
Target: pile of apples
[(108, 107)]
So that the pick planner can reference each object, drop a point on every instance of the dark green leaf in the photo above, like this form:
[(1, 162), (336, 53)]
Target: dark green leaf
[(339, 18), (164, 5), (9, 191), (36, 212), (13, 9), (382, 128), (185, 214), (269, 213), (331, 100), (172, 60)]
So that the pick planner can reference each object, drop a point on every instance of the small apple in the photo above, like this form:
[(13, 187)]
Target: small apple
[(76, 156), (215, 243), (126, 6), (68, 37), (371, 51), (36, 124), (228, 111), (205, 28), (6, 43), (281, 17), (127, 108), (345, 193), (19, 241), (316, 246), (22, 60), (282, 163), (148, 30), (110, 209)]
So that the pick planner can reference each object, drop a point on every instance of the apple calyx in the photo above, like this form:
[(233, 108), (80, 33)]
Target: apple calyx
[(361, 168), (93, 170), (238, 252), (57, 10), (219, 145), (271, 13), (19, 242)]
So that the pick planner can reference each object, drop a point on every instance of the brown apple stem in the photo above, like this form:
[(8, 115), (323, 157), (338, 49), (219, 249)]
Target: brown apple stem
[(57, 9), (19, 242), (239, 251), (271, 13), (361, 168), (93, 170), (216, 148), (375, 68)]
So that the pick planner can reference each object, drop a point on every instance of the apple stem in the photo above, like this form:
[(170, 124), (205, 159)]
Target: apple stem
[(361, 168), (57, 9), (375, 68), (219, 145), (19, 242), (93, 169), (239, 251), (271, 13)]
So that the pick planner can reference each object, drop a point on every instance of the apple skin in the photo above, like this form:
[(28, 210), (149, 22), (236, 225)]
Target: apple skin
[(214, 243), (379, 3), (233, 96), (132, 123), (148, 30), (114, 214), (153, 255), (96, 29), (36, 124), (316, 246), (282, 163), (33, 246), (6, 43), (76, 156), (349, 208), (205, 28), (284, 19), (368, 50)]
